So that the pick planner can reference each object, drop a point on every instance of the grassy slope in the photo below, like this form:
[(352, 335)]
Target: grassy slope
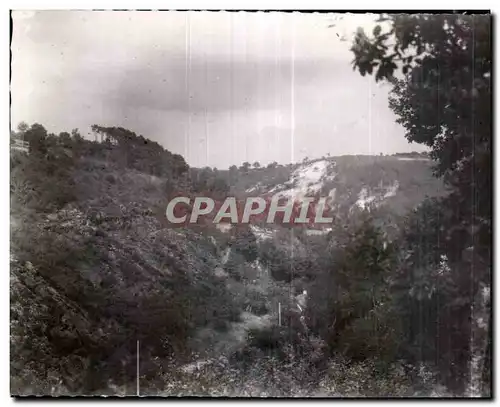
[(353, 173), (90, 280)]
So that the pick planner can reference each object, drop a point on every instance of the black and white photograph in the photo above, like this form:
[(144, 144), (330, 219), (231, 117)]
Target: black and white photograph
[(251, 204)]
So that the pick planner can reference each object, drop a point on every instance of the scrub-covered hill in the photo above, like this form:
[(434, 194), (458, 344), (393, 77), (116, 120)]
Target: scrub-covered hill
[(101, 285)]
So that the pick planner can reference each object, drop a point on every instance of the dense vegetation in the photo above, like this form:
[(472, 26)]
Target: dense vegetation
[(444, 102), (396, 305), (92, 270)]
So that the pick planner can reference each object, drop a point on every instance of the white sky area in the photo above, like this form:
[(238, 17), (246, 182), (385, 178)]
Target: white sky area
[(219, 88)]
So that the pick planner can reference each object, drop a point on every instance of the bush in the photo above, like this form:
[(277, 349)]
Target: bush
[(245, 244), (284, 266), (350, 304)]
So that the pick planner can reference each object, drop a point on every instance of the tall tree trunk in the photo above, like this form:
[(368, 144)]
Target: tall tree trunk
[(479, 342)]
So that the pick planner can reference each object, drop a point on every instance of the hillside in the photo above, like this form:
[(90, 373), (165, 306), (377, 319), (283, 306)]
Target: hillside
[(134, 271), (400, 183), (387, 186), (98, 273), (241, 310)]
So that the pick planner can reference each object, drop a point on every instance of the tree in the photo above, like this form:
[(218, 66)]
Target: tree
[(443, 100), (36, 136), (180, 167), (350, 299), (286, 257), (256, 164), (65, 139), (245, 243), (76, 136), (245, 167), (125, 147), (44, 180), (22, 127), (432, 300)]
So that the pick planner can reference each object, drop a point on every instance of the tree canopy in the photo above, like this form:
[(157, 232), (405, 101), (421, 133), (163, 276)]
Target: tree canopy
[(440, 70)]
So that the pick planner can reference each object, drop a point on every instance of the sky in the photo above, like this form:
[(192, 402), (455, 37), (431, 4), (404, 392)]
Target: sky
[(219, 88)]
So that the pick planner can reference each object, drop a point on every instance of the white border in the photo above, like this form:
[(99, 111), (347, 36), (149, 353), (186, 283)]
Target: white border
[(173, 4), (246, 4)]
